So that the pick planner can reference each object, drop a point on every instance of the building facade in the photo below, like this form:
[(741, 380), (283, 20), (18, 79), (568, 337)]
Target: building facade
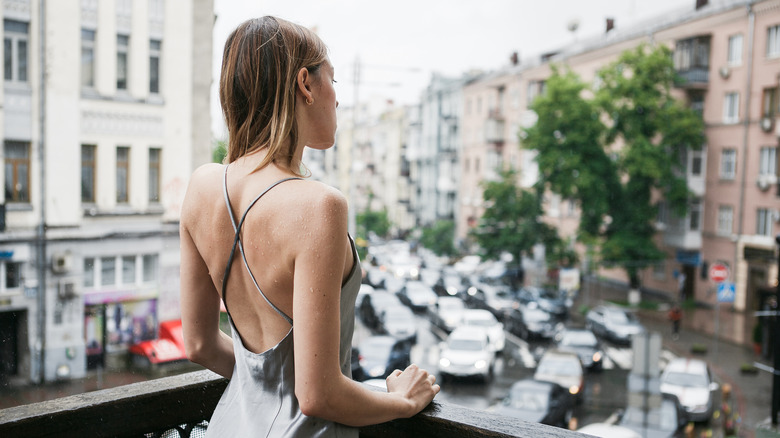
[(105, 116)]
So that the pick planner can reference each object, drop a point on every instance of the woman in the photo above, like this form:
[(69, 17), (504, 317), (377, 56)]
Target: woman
[(290, 260)]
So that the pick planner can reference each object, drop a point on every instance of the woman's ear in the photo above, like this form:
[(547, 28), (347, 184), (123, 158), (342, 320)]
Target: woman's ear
[(303, 82)]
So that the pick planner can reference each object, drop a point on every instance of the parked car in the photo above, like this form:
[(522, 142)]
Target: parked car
[(448, 313), (538, 402), (613, 323), (585, 344), (530, 322), (563, 368), (417, 296), (398, 322), (550, 301), (496, 299), (483, 319), (665, 421), (466, 353), (372, 306), (379, 355), (691, 381)]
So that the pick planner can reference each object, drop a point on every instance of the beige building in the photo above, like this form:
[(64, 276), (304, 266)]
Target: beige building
[(105, 114), (729, 54)]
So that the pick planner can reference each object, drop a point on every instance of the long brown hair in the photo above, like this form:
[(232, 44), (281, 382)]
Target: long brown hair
[(257, 87)]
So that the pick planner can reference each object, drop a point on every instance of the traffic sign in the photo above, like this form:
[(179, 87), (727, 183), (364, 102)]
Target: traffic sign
[(719, 273), (726, 292)]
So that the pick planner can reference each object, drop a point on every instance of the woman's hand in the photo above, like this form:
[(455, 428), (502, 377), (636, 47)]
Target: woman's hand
[(415, 385)]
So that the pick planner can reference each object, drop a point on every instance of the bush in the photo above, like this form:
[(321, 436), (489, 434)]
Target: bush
[(699, 348)]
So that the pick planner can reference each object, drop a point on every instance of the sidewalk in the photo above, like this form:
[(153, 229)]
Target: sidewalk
[(751, 392)]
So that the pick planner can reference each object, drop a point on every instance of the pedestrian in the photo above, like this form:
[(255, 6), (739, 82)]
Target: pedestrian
[(274, 248), (675, 315)]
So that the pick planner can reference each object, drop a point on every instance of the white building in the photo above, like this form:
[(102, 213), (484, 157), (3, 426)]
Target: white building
[(97, 157)]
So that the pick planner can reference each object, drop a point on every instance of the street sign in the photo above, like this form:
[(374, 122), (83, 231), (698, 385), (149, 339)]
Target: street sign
[(726, 292), (719, 272)]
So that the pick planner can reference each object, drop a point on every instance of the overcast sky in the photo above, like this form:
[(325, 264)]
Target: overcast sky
[(401, 42)]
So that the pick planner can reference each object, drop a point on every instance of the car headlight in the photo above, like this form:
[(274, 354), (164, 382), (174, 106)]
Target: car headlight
[(472, 291), (596, 356), (452, 291), (444, 362), (413, 272), (573, 390), (376, 371), (480, 364)]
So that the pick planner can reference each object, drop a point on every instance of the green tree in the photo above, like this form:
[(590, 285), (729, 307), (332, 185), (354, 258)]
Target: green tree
[(614, 186), (511, 221), (439, 238), (372, 221), (219, 152)]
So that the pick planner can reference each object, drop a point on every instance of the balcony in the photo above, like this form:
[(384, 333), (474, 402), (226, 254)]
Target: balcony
[(494, 128), (694, 77), (181, 402)]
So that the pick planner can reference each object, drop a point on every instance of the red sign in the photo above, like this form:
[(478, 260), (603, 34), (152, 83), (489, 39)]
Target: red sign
[(719, 273)]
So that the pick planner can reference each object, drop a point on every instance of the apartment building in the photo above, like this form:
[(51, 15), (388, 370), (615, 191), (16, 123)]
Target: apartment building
[(728, 54), (105, 114)]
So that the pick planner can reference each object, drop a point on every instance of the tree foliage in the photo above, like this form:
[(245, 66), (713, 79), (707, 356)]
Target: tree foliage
[(372, 221), (511, 221), (439, 238), (612, 149), (219, 152)]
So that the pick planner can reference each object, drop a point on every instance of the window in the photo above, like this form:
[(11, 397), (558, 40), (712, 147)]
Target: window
[(696, 162), (88, 173), (15, 49), (735, 50), (694, 216), (535, 88), (767, 162), (17, 171), (87, 58), (728, 164), (128, 269), (122, 173), (154, 66), (13, 275), (122, 46), (773, 42), (154, 175), (150, 267), (692, 53), (731, 108), (659, 270), (725, 220), (107, 271), (89, 272), (764, 222), (770, 102)]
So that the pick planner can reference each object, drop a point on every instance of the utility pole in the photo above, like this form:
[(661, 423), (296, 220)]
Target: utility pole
[(40, 236), (776, 349)]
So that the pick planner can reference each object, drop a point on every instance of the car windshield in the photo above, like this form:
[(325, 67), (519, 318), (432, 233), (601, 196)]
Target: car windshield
[(455, 304), (398, 315), (619, 317), (685, 379), (664, 418), (558, 367), (526, 400), (579, 339), (536, 315), (465, 345), (480, 322)]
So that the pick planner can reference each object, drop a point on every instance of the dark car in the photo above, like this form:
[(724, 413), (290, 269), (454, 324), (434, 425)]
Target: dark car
[(548, 300), (586, 345), (532, 323), (615, 324), (378, 356), (418, 296), (398, 322), (449, 284), (539, 402), (664, 421), (372, 306), (497, 299)]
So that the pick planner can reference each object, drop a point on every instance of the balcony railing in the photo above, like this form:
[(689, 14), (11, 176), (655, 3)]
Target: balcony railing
[(180, 402), (694, 77)]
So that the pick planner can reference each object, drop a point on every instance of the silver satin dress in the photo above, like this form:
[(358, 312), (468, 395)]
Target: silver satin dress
[(259, 400)]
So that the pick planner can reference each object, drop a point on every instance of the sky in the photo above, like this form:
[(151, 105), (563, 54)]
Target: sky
[(400, 43)]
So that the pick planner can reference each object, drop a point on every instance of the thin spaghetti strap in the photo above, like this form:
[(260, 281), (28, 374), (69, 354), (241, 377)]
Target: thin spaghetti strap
[(237, 242)]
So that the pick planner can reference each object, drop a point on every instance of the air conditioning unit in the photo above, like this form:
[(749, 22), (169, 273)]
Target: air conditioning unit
[(767, 123), (766, 181), (725, 72), (61, 263), (67, 290), (776, 215)]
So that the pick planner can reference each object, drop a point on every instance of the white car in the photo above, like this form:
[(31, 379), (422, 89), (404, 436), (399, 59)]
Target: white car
[(467, 352), (563, 368), (448, 313), (691, 381), (486, 320), (417, 296)]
